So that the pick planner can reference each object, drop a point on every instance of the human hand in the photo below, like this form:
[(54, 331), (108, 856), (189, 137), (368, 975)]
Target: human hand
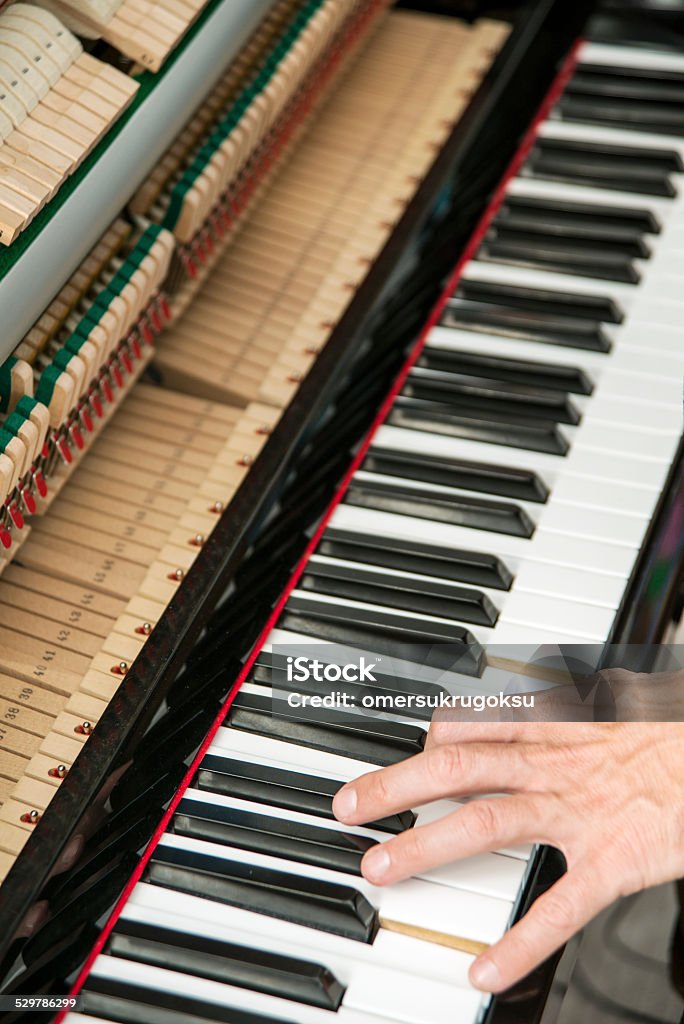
[(609, 796)]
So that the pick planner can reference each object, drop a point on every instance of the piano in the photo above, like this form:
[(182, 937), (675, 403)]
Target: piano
[(330, 323)]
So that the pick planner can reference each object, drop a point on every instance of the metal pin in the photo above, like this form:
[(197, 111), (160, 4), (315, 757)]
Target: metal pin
[(31, 817), (246, 460), (177, 575), (59, 772), (217, 507)]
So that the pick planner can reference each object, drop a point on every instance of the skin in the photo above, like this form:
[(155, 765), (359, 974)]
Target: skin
[(608, 794)]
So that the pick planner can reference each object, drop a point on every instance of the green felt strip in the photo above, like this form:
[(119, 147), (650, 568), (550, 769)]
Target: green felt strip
[(228, 121), (14, 422), (5, 438), (6, 383), (46, 384)]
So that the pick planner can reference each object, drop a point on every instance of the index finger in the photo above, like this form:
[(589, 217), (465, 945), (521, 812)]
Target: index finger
[(442, 771)]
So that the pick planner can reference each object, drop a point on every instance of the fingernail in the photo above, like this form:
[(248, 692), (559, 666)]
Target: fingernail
[(344, 803), (484, 974), (376, 863)]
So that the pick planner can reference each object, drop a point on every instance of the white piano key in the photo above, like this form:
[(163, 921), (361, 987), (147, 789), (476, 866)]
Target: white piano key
[(609, 468), (579, 520), (549, 548), (373, 984), (602, 134), (162, 980), (639, 361), (413, 901), (535, 188), (195, 915), (659, 300), (592, 588), (550, 614), (643, 376), (237, 742), (317, 763), (490, 874), (623, 56)]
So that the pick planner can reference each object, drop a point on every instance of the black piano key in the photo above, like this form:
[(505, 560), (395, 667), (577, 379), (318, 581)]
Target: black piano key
[(490, 398), (406, 499), (643, 84), (441, 419), (614, 111), (506, 481), (518, 249), (360, 736), (507, 322), (385, 638), (556, 160), (536, 373), (277, 837), (417, 556), (428, 597), (134, 1004), (280, 787), (570, 218), (301, 899), (243, 966), (638, 159), (543, 300)]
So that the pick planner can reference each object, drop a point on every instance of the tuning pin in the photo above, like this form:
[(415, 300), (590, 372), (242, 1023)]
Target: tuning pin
[(84, 729), (177, 575), (31, 817), (59, 772)]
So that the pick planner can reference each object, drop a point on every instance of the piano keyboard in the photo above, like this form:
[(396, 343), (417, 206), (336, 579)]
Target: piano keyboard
[(100, 526), (503, 501), (56, 103)]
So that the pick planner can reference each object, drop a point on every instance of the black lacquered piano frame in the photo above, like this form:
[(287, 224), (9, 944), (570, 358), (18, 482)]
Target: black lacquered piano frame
[(293, 480)]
